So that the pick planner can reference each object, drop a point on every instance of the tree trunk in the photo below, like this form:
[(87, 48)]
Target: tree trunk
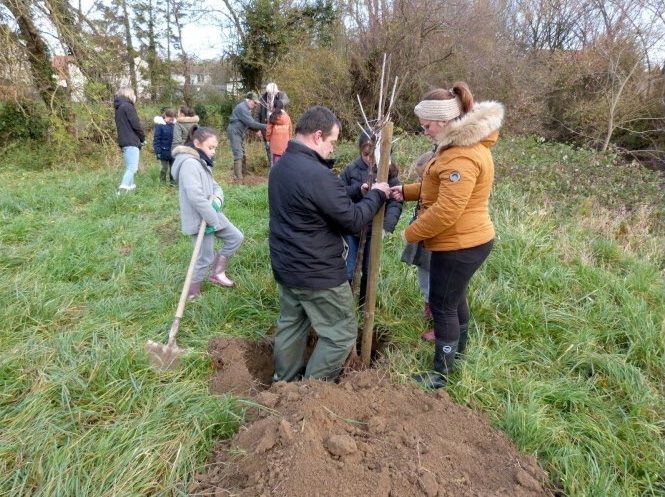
[(56, 97), (130, 49)]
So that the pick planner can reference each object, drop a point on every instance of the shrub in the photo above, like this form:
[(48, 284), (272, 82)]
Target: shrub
[(20, 121), (202, 112), (226, 106)]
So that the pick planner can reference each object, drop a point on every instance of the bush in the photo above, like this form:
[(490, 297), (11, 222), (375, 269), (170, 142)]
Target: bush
[(202, 112), (226, 107), (20, 121)]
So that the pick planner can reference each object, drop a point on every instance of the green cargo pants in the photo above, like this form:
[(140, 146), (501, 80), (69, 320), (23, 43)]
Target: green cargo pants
[(331, 313)]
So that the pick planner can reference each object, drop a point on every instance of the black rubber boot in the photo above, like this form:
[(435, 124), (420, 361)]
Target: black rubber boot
[(444, 357), (463, 338)]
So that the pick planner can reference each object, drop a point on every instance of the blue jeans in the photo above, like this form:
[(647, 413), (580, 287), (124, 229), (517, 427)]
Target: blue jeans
[(354, 244), (131, 155)]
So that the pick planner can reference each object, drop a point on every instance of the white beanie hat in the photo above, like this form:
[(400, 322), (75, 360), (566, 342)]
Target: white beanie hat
[(439, 110)]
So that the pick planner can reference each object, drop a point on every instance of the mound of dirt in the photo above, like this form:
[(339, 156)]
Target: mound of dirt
[(363, 436)]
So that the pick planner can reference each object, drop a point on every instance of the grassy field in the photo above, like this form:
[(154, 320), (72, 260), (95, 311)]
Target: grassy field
[(566, 351)]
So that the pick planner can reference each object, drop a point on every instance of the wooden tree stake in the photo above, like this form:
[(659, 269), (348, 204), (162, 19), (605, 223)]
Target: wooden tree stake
[(375, 249)]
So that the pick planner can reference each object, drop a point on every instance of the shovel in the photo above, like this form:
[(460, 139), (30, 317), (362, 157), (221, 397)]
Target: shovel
[(167, 356)]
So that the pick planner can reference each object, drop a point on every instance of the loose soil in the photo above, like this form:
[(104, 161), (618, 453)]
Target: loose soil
[(363, 436)]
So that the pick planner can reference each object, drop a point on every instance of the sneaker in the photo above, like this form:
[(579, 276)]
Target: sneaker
[(429, 336), (126, 188)]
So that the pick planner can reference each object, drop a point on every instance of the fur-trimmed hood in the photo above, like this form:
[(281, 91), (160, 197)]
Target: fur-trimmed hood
[(185, 119), (184, 149), (180, 154), (473, 127)]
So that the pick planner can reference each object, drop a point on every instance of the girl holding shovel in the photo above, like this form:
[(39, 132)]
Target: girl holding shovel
[(201, 198)]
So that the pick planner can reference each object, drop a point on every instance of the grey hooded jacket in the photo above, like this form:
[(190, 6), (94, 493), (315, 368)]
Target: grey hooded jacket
[(195, 187)]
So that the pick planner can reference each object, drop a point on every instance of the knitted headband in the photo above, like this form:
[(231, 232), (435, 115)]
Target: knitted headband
[(439, 110)]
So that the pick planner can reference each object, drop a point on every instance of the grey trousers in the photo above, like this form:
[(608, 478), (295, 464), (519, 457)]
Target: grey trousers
[(331, 313), (232, 238), (237, 141)]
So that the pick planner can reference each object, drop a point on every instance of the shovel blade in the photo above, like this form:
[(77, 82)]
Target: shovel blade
[(162, 356)]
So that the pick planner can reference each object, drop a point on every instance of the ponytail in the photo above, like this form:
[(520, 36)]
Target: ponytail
[(461, 90)]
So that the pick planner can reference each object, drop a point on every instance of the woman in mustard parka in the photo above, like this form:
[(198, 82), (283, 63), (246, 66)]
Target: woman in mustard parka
[(453, 219)]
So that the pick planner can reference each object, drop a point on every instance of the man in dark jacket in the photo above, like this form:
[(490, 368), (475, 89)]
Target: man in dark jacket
[(310, 212)]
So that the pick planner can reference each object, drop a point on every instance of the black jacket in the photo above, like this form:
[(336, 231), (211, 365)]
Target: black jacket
[(353, 178), (130, 132), (309, 214)]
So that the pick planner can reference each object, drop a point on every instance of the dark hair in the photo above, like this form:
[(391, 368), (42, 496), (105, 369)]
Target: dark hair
[(187, 111), (393, 170), (199, 133), (459, 89), (169, 113), (365, 136), (278, 107), (317, 118)]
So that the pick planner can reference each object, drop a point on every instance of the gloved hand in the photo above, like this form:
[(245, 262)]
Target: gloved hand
[(209, 229), (216, 204), (159, 157)]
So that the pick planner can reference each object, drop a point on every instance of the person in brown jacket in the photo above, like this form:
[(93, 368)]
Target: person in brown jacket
[(453, 219)]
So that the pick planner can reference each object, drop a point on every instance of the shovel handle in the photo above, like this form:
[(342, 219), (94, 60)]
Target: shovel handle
[(188, 281)]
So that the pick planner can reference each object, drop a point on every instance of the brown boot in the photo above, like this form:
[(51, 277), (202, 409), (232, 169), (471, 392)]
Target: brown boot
[(218, 275), (237, 169), (194, 290)]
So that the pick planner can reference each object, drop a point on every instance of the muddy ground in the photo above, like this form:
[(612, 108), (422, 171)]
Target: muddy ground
[(364, 436)]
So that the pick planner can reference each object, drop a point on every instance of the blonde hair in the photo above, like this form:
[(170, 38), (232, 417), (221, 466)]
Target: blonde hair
[(127, 92)]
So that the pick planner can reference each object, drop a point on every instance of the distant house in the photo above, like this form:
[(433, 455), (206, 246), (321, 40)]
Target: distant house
[(68, 75), (233, 86), (15, 77)]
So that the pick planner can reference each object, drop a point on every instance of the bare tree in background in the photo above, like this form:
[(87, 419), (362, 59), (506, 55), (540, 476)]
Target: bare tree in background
[(182, 13), (31, 41)]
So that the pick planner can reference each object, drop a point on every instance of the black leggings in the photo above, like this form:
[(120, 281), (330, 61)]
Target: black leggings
[(450, 273)]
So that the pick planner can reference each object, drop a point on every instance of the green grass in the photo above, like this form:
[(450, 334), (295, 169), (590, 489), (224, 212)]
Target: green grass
[(566, 349)]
